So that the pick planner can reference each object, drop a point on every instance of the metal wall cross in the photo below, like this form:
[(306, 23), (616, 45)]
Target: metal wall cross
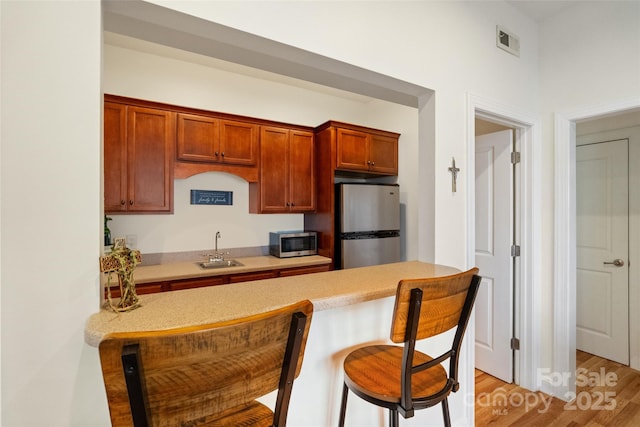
[(454, 174)]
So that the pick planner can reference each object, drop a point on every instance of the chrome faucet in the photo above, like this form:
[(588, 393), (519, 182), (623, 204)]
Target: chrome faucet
[(217, 256)]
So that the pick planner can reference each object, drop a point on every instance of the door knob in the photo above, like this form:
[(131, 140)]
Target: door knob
[(617, 262)]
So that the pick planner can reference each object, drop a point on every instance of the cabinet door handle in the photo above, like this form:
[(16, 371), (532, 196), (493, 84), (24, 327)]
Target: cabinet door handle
[(223, 154), (216, 154), (131, 202), (122, 202)]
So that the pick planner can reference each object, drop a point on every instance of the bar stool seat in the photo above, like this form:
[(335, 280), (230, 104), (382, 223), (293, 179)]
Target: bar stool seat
[(375, 370)]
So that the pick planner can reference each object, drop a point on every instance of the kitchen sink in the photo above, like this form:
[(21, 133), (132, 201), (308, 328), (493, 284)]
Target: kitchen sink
[(220, 263)]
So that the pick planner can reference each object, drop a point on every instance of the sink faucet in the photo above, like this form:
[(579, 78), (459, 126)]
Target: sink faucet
[(217, 256)]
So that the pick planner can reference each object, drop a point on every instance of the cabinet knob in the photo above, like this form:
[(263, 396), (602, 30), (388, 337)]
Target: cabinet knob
[(131, 202), (216, 154), (223, 154), (122, 202), (373, 163)]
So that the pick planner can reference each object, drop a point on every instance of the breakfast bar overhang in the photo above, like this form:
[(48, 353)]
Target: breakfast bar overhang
[(351, 307)]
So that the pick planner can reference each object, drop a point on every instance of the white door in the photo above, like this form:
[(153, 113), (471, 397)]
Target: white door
[(494, 225), (602, 237)]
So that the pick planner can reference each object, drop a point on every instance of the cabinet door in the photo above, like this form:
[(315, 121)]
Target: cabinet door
[(141, 289), (302, 186), (352, 150), (304, 270), (115, 157), (274, 170), (383, 153), (150, 136), (258, 275), (238, 142), (196, 283), (198, 138)]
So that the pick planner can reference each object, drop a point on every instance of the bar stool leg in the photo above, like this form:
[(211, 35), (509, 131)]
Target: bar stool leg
[(393, 418), (343, 405), (445, 413)]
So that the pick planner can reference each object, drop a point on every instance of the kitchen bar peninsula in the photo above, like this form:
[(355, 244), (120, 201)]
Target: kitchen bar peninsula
[(351, 308)]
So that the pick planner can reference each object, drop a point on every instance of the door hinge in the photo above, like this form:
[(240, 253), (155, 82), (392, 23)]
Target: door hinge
[(515, 344), (515, 250), (515, 157)]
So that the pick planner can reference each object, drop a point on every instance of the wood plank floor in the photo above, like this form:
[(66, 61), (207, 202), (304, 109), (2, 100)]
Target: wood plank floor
[(607, 394)]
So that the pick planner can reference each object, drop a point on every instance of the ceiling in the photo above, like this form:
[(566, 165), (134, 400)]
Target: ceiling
[(539, 10)]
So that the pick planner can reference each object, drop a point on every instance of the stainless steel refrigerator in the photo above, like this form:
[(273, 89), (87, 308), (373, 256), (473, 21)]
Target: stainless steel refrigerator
[(368, 224)]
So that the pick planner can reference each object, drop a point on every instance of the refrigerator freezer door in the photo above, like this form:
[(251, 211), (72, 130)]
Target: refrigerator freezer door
[(370, 207), (365, 252)]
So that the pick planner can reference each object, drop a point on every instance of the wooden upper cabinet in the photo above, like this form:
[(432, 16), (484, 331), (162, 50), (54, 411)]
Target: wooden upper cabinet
[(351, 152), (239, 142), (287, 172), (370, 152), (150, 145), (212, 140), (138, 159), (383, 153), (302, 183), (115, 157), (198, 138)]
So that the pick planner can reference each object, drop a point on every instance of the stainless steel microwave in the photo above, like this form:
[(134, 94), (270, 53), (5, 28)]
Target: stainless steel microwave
[(285, 244)]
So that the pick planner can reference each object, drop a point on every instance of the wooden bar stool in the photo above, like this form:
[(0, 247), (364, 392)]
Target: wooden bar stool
[(401, 378), (206, 375)]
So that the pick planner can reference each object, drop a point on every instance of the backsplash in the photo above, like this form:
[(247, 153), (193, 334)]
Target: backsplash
[(187, 256)]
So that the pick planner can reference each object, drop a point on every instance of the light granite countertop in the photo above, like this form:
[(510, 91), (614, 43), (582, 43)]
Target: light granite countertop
[(191, 269), (199, 306)]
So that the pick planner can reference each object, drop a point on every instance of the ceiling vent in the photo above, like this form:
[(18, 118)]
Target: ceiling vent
[(508, 41)]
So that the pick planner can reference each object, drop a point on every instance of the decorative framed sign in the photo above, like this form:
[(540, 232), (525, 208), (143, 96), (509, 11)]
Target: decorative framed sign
[(211, 197)]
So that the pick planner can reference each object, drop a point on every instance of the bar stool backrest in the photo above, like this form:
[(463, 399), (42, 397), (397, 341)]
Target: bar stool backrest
[(443, 300), (191, 375)]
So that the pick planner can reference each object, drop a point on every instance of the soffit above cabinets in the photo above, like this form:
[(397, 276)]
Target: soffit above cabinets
[(169, 27)]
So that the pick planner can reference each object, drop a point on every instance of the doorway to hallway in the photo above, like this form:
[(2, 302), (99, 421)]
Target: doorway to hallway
[(567, 126), (602, 249)]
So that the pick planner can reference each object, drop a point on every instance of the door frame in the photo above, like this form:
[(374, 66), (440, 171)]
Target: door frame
[(527, 310), (564, 287)]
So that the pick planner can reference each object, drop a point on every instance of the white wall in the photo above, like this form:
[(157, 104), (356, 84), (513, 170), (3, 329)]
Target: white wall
[(589, 57), (51, 206), (144, 70)]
